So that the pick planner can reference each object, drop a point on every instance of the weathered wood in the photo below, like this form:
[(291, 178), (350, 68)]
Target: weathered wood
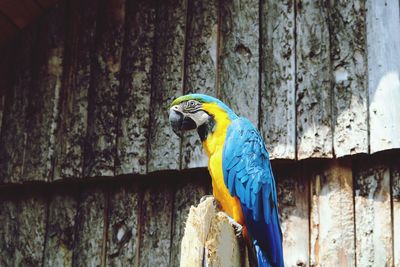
[(277, 68), (349, 67), (104, 91), (222, 247), (293, 198), (123, 225), (383, 38), (395, 183), (239, 57), (156, 225), (60, 236), (186, 195), (332, 216), (8, 230), (13, 138), (165, 146), (75, 86), (197, 227), (43, 109), (4, 79), (373, 214), (137, 59), (31, 229), (88, 247), (313, 94), (201, 68)]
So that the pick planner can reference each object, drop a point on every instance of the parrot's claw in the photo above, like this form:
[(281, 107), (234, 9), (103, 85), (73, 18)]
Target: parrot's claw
[(236, 226)]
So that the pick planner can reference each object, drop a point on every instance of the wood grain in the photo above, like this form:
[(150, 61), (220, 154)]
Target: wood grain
[(395, 183), (239, 57), (348, 52), (72, 128), (60, 236), (8, 230), (89, 228), (200, 69), (137, 66), (293, 198), (186, 195), (373, 213), (43, 108), (278, 74), (332, 216), (123, 225), (156, 226), (104, 91), (13, 139), (313, 68), (383, 38), (167, 83)]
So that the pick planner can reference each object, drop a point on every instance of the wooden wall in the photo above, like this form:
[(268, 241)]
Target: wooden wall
[(333, 212), (85, 91), (91, 173)]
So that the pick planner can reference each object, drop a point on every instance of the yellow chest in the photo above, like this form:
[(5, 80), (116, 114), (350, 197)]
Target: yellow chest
[(214, 146)]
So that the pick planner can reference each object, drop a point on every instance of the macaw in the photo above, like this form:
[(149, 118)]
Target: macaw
[(242, 179)]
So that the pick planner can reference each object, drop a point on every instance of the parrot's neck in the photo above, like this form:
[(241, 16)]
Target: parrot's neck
[(213, 133)]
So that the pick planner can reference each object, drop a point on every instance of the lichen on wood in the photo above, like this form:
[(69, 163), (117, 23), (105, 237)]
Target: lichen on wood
[(313, 70), (167, 83), (349, 69), (293, 191), (395, 183), (70, 140), (277, 68), (123, 221), (332, 215), (200, 68), (101, 149), (43, 108), (373, 214), (60, 229), (239, 57), (137, 66)]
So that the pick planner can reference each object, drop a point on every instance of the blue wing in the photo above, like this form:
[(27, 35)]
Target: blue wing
[(248, 175)]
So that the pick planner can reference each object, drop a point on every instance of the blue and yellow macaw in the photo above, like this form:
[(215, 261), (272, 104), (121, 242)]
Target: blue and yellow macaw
[(239, 166)]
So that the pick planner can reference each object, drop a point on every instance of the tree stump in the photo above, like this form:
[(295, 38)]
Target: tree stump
[(210, 240)]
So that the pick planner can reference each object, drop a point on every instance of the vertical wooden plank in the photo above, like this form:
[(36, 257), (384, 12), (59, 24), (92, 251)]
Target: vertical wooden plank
[(187, 194), (383, 38), (137, 60), (332, 216), (395, 176), (8, 230), (72, 128), (201, 68), (313, 98), (89, 229), (4, 79), (293, 199), (349, 66), (43, 108), (104, 91), (123, 225), (373, 214), (13, 138), (60, 236), (167, 81), (239, 57), (278, 108), (156, 225), (30, 236)]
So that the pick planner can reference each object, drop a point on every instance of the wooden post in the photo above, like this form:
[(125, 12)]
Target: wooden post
[(209, 238)]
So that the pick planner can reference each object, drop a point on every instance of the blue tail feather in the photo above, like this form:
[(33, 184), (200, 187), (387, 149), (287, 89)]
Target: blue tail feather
[(262, 260)]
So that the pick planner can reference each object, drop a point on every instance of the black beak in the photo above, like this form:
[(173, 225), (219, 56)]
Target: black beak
[(180, 123)]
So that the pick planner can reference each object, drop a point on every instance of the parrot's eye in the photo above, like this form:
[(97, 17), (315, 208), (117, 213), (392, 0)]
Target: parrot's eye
[(191, 104)]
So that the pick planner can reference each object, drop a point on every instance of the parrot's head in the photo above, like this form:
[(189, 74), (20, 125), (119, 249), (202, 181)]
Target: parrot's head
[(196, 111)]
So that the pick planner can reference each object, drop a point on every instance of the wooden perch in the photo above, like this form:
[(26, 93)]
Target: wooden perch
[(210, 240)]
